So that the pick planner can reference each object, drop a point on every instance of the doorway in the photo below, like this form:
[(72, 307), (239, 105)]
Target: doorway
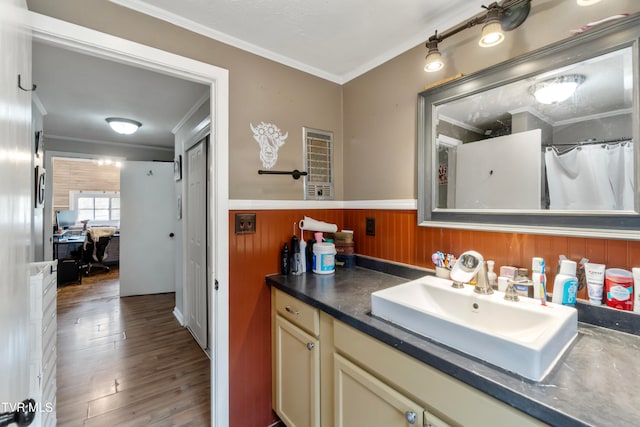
[(114, 48)]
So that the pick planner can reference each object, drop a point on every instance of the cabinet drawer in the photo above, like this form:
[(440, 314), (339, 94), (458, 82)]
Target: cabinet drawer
[(297, 312)]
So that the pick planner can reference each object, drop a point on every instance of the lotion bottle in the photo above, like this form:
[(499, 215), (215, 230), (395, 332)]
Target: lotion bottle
[(565, 285)]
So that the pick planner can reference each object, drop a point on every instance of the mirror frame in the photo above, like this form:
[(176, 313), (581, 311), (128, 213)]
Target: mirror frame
[(618, 35)]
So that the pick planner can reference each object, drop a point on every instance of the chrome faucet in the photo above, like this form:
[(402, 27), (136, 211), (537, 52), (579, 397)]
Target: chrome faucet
[(470, 264)]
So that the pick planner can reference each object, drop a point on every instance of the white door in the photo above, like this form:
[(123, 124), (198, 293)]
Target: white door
[(16, 198), (196, 286), (148, 222)]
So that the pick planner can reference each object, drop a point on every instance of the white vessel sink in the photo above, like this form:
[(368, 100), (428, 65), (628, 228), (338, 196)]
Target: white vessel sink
[(524, 337)]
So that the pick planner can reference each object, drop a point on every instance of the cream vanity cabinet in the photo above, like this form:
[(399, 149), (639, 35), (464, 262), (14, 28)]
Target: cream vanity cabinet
[(326, 373), (296, 359), (363, 400), (390, 380)]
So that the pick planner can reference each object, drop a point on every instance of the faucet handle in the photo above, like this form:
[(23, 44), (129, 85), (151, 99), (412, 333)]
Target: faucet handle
[(510, 293)]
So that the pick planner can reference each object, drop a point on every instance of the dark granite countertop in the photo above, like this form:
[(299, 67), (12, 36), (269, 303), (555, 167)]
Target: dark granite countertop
[(595, 383)]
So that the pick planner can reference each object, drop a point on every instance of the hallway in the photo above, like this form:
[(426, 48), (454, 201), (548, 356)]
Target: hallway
[(126, 361)]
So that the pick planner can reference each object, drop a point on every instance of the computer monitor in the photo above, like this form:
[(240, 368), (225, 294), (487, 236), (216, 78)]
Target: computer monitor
[(65, 219)]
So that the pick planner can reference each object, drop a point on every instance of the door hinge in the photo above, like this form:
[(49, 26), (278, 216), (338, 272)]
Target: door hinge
[(216, 286)]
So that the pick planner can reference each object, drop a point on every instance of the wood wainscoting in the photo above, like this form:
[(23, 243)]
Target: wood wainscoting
[(397, 238)]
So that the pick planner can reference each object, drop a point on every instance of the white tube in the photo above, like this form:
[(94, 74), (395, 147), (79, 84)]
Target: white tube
[(595, 282), (636, 289), (315, 225)]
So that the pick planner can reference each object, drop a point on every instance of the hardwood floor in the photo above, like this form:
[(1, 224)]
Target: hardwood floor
[(126, 361)]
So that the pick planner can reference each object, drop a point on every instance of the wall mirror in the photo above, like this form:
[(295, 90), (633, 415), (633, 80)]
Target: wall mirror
[(543, 143)]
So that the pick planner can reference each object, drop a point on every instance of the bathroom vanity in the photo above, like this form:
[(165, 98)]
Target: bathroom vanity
[(336, 364)]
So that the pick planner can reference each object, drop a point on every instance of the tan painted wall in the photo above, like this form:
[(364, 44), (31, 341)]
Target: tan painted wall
[(260, 90), (380, 107)]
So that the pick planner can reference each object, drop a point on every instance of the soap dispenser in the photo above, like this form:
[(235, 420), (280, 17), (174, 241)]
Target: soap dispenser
[(491, 275)]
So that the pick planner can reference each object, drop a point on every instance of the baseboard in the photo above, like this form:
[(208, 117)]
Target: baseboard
[(178, 315)]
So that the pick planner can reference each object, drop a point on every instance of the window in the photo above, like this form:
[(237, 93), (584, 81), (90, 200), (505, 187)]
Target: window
[(98, 207), (318, 159)]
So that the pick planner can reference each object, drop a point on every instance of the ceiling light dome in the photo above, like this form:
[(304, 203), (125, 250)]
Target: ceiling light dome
[(556, 90), (123, 126)]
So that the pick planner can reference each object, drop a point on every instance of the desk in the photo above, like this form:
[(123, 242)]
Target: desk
[(65, 248)]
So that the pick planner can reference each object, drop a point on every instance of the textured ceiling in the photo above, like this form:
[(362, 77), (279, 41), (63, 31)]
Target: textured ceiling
[(79, 92), (333, 39)]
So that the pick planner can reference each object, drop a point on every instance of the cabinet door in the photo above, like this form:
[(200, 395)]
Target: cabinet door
[(297, 375), (363, 400)]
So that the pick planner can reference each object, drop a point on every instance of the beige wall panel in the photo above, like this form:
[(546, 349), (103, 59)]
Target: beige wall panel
[(260, 90), (380, 107)]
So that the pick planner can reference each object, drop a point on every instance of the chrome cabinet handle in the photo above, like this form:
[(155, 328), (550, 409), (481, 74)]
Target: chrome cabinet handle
[(310, 346), (410, 416), (291, 310)]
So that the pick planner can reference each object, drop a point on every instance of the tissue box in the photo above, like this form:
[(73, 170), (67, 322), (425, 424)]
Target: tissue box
[(344, 248), (343, 237)]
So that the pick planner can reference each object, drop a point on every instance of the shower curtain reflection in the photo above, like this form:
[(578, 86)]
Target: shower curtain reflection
[(590, 177)]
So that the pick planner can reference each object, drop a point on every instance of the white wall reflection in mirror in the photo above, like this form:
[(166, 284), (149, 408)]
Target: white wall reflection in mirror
[(505, 149)]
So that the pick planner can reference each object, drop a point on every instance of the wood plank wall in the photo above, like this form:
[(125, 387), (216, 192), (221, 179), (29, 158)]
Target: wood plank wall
[(81, 175), (398, 238)]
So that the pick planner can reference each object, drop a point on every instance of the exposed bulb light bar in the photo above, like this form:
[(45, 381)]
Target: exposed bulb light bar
[(556, 90), (123, 126), (109, 162), (500, 16), (587, 2)]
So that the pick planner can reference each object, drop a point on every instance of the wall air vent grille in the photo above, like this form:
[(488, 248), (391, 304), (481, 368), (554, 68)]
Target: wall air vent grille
[(318, 159)]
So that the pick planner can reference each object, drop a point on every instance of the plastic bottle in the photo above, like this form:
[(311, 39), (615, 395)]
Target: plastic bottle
[(284, 259), (296, 266), (303, 256), (491, 275), (310, 244), (565, 285)]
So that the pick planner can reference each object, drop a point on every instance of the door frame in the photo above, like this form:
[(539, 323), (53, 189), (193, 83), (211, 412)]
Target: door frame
[(84, 40)]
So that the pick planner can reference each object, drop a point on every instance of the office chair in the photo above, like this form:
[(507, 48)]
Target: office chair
[(94, 250)]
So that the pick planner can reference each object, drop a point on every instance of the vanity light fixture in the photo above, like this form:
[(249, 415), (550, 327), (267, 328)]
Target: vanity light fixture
[(434, 58), (123, 126), (505, 15), (556, 90), (492, 34)]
